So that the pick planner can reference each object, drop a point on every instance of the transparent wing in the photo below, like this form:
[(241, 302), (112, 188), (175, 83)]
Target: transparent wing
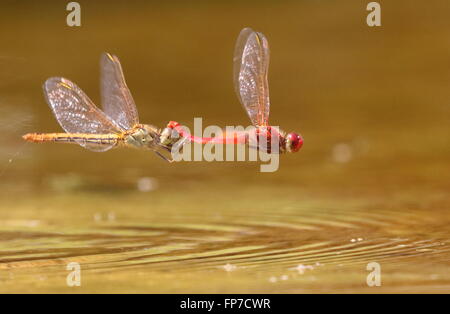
[(76, 113), (251, 66), (117, 101)]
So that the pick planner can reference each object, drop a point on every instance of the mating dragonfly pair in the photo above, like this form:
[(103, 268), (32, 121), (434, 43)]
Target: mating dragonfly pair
[(118, 124)]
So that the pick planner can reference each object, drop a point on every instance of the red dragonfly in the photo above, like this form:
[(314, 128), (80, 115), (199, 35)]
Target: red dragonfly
[(94, 129), (251, 65)]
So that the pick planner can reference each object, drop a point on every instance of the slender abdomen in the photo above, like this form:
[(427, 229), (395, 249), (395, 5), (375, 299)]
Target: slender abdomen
[(106, 139)]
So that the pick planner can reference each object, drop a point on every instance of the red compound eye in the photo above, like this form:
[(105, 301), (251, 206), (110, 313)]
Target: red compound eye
[(295, 142)]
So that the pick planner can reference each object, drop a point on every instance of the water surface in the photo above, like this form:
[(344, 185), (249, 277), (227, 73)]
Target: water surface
[(370, 185)]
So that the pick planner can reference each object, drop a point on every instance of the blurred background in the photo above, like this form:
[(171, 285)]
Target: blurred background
[(369, 185)]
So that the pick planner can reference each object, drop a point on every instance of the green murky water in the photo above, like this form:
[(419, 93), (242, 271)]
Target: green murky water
[(370, 185)]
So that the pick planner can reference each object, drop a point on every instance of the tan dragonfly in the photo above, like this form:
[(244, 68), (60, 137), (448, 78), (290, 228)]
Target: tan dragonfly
[(86, 125)]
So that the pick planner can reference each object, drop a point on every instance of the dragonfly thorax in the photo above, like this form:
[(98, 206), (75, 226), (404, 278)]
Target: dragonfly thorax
[(142, 136)]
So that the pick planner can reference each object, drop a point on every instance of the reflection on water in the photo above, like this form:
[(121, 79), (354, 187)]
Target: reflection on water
[(371, 184)]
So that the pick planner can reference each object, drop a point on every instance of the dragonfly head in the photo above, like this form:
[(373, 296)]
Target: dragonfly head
[(294, 142)]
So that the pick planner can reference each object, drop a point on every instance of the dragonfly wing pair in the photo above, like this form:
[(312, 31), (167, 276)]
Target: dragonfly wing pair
[(76, 113), (251, 66)]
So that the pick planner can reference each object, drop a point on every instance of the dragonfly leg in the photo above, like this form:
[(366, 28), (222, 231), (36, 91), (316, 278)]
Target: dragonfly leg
[(164, 157)]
